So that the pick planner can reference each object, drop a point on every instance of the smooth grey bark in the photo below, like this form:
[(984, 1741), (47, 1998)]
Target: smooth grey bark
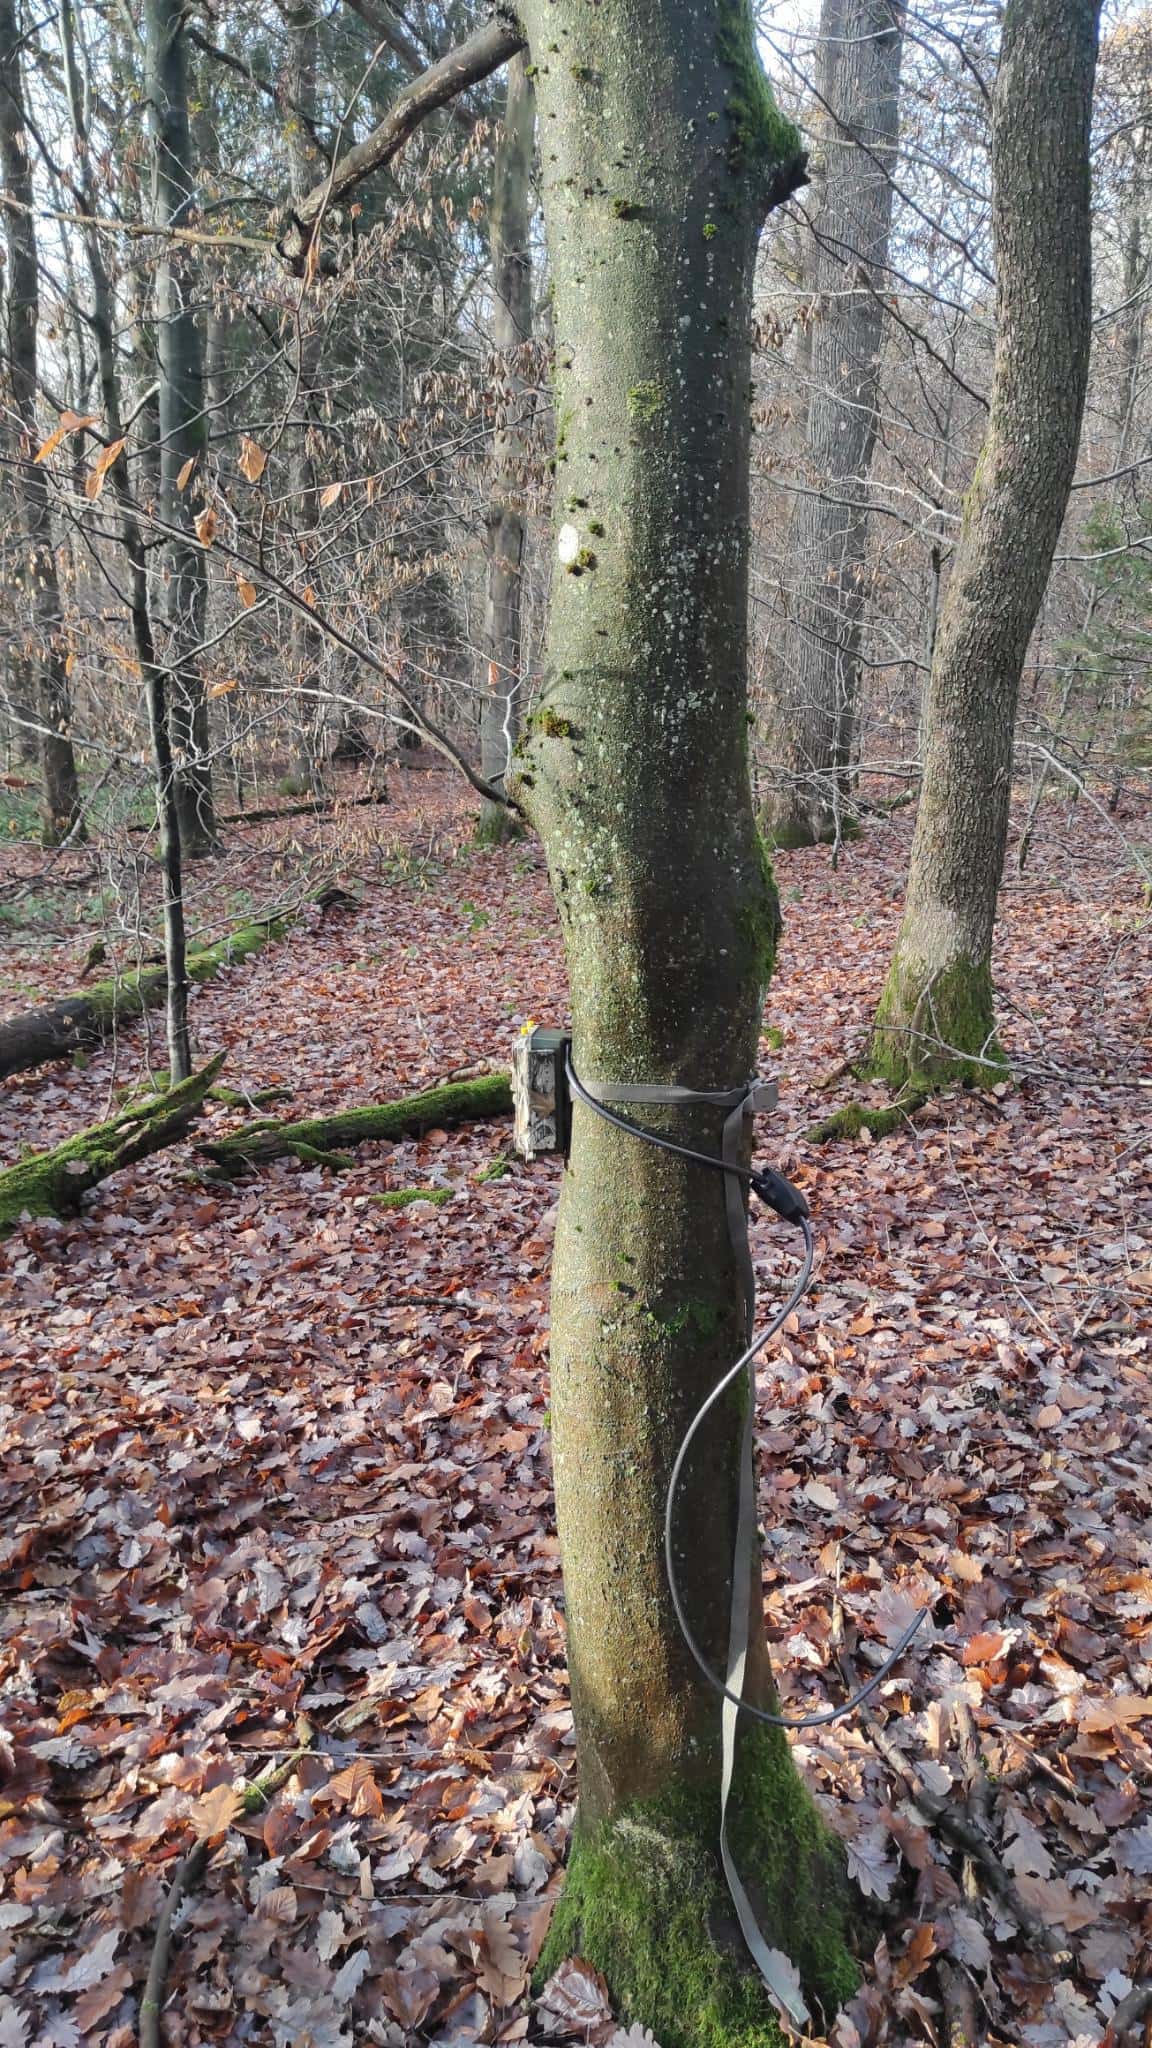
[(936, 1012), (37, 579), (811, 713), (661, 151), (183, 421), (510, 227), (153, 676)]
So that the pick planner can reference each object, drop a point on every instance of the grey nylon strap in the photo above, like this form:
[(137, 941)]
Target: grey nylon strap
[(741, 1104)]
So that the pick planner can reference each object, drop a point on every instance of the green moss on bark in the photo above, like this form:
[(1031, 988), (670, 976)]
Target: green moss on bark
[(52, 1183), (458, 1102), (936, 1027), (645, 1900), (762, 137)]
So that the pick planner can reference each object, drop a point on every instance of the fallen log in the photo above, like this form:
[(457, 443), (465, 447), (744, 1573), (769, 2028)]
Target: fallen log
[(77, 1022), (306, 807), (319, 1140), (52, 1183)]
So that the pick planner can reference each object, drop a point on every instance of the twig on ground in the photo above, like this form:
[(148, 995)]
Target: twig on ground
[(956, 1828), (962, 2028), (189, 1871), (1127, 2017)]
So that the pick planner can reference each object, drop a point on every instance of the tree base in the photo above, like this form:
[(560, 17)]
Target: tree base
[(790, 826), (936, 1026), (497, 825), (645, 1901)]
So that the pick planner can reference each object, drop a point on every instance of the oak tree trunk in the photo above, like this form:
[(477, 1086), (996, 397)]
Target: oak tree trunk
[(37, 580), (511, 328), (936, 1012), (661, 151), (817, 674)]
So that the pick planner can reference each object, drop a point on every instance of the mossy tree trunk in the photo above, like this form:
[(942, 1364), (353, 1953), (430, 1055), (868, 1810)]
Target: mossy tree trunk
[(936, 1012), (183, 422), (37, 578), (817, 674), (511, 219), (661, 152)]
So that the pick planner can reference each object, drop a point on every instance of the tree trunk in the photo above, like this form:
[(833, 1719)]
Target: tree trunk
[(39, 577), (183, 422), (812, 715), (307, 645), (156, 682), (511, 328), (662, 150), (936, 1012)]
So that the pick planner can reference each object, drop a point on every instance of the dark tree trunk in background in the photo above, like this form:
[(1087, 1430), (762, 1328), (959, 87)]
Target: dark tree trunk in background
[(307, 646), (936, 1013), (511, 219), (183, 422), (37, 579), (816, 678), (155, 681), (661, 151)]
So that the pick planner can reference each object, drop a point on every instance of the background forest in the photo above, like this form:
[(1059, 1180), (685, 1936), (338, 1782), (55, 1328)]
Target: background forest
[(296, 434)]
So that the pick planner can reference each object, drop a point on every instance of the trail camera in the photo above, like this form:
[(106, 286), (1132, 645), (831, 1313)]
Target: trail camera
[(541, 1104)]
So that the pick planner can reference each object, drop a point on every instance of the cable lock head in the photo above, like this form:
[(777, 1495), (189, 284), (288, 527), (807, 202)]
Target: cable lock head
[(779, 1194)]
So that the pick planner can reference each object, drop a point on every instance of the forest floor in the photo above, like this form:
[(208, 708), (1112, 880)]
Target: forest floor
[(274, 1470)]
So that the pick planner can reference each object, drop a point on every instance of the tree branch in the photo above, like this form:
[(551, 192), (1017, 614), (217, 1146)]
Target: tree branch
[(474, 59)]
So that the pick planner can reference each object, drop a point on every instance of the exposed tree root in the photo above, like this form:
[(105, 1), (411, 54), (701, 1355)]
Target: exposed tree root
[(52, 1183), (855, 1117), (317, 1140)]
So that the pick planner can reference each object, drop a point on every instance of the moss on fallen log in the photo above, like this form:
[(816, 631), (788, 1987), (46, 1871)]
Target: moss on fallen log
[(318, 1140), (75, 1023), (52, 1183)]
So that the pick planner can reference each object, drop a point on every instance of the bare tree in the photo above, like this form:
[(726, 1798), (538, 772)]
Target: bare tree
[(813, 700), (936, 1013)]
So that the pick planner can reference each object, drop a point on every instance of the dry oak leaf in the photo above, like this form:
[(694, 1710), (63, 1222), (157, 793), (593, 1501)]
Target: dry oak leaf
[(252, 459), (1101, 1716), (206, 523), (408, 1994), (574, 2004), (70, 423), (216, 1811)]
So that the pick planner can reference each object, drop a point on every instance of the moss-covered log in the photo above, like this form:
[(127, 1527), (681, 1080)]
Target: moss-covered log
[(319, 1140), (52, 1183), (75, 1023)]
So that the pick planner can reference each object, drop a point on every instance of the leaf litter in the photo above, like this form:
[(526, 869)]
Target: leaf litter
[(275, 1489)]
